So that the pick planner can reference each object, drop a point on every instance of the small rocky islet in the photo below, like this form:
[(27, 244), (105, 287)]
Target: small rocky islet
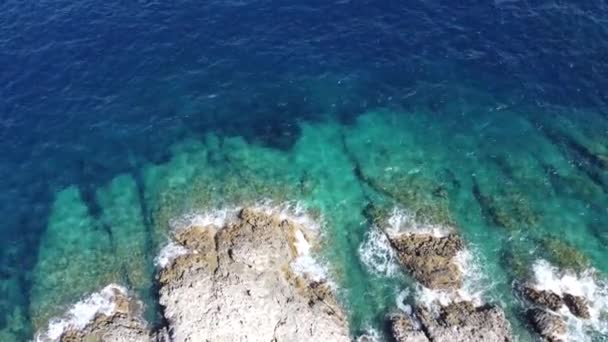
[(251, 276), (430, 257)]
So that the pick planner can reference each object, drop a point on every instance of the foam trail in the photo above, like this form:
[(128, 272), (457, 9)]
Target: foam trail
[(400, 301), (83, 312), (305, 264), (169, 253), (218, 218), (295, 212), (377, 254), (370, 335), (403, 222)]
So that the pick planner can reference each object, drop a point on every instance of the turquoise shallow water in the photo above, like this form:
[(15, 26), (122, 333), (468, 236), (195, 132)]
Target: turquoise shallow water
[(518, 188), (488, 116)]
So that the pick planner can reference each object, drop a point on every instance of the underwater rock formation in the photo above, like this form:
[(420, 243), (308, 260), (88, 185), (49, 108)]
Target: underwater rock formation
[(122, 214), (251, 278), (108, 315), (563, 254), (75, 256), (507, 209)]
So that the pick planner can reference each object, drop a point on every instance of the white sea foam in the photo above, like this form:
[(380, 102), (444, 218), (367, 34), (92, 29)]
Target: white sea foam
[(295, 212), (403, 222), (304, 264), (475, 283), (400, 301), (168, 253), (217, 218), (548, 277), (473, 288), (370, 335), (377, 254), (83, 312), (586, 284)]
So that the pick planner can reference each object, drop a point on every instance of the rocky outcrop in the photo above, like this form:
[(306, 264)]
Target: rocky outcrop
[(429, 258), (545, 298), (403, 329), (249, 280), (456, 322), (549, 326), (546, 317), (578, 305), (115, 317), (462, 321), (117, 328)]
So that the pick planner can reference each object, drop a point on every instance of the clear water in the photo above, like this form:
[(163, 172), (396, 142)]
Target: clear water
[(115, 119)]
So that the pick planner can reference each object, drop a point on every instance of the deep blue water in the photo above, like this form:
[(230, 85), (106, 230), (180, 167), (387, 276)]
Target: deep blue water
[(91, 89)]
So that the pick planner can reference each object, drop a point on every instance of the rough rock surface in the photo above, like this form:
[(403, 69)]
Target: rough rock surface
[(543, 298), (577, 305), (550, 326), (238, 284), (462, 321), (404, 330), (429, 258), (125, 324)]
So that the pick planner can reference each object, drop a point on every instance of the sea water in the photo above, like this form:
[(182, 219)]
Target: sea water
[(121, 122)]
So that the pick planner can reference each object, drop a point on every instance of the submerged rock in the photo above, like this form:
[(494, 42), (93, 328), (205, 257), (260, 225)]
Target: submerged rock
[(463, 321), (578, 305), (122, 215), (429, 258), (564, 255), (550, 326), (249, 280), (544, 298), (75, 256)]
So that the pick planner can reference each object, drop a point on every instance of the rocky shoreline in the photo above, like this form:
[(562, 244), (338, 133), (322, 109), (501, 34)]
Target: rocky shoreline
[(249, 275), (249, 278), (112, 314)]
